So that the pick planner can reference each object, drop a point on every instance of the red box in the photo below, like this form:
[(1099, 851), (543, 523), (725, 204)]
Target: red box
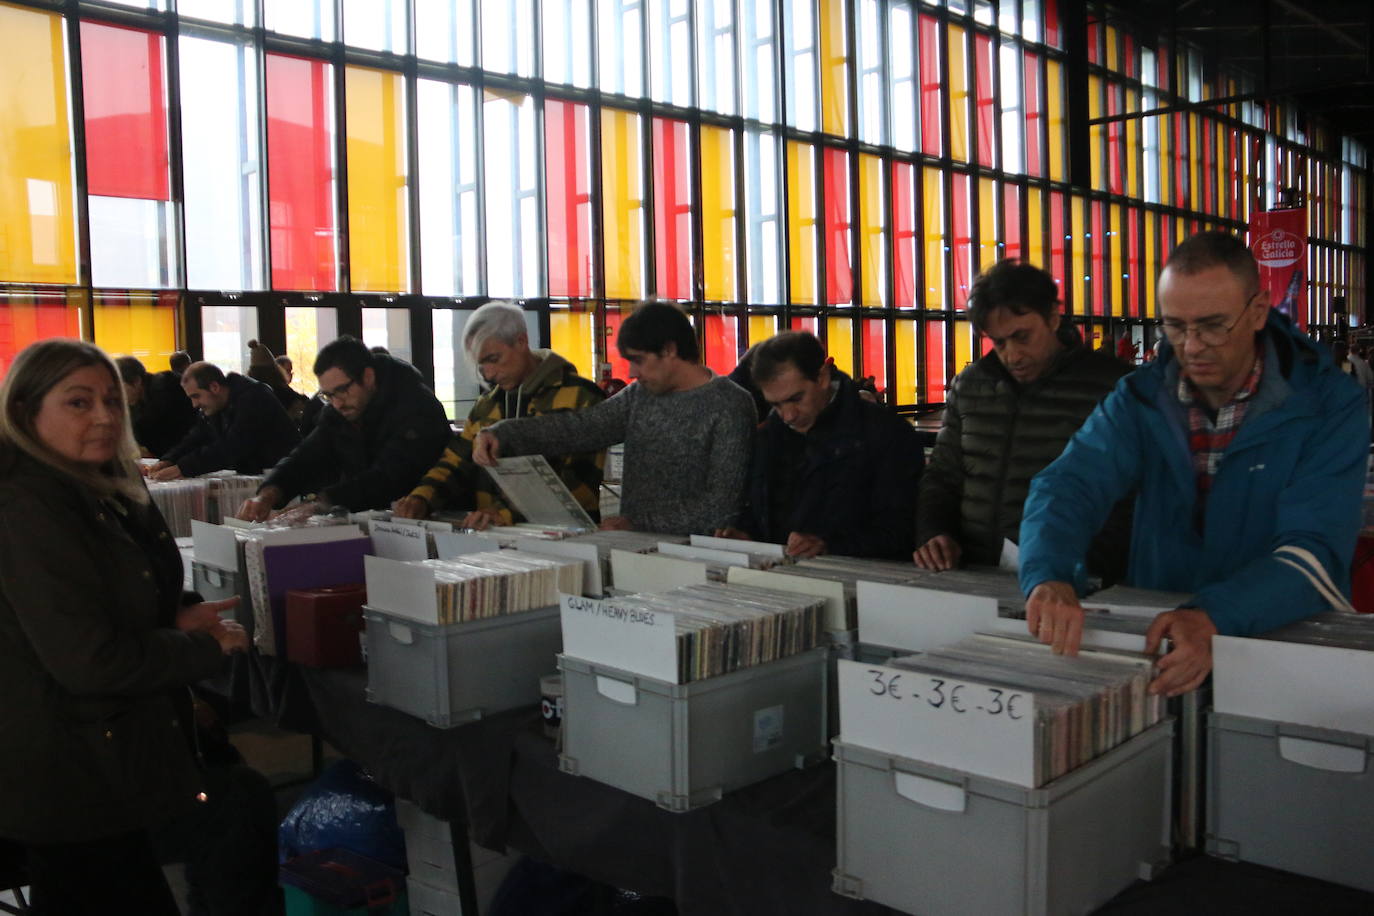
[(1362, 573), (323, 625)]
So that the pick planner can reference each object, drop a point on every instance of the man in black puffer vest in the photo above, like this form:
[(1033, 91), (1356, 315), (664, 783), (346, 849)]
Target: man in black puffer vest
[(1008, 416), (831, 472)]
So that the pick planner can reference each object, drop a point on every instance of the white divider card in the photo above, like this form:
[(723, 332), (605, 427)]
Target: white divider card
[(318, 534), (1320, 686), (214, 544), (649, 572), (635, 640), (453, 544), (830, 590), (1092, 639), (401, 588), (963, 725), (587, 553), (760, 548), (907, 617), (396, 541), (704, 554)]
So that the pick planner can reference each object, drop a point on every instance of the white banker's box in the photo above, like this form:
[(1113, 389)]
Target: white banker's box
[(1291, 758), (628, 723)]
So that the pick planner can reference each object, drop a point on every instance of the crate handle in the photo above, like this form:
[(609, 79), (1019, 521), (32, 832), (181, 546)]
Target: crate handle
[(400, 632), (617, 691), (1322, 755), (214, 576), (932, 793)]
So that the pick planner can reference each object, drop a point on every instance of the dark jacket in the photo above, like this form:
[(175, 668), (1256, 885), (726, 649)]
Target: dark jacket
[(1283, 513), (91, 667), (250, 434), (371, 463), (997, 435), (856, 473), (164, 415)]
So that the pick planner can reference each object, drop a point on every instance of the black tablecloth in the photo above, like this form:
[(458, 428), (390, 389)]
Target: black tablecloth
[(767, 849)]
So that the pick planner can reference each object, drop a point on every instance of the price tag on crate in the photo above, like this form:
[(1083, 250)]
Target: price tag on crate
[(960, 724)]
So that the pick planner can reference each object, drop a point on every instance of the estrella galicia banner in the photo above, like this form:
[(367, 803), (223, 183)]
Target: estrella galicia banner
[(1278, 240)]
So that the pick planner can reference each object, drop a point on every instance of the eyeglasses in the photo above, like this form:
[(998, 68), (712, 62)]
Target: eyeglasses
[(1210, 333), (337, 394)]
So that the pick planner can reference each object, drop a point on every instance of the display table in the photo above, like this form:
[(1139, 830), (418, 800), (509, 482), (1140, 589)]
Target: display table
[(767, 849)]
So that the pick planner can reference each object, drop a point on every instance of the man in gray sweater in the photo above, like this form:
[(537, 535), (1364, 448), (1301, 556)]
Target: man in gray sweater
[(687, 431)]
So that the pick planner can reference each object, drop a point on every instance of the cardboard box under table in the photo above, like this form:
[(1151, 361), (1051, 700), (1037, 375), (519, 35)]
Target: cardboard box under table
[(1290, 770), (448, 674), (629, 724)]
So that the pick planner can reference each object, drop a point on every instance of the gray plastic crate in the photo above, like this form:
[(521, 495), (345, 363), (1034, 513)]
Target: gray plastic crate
[(684, 745), (216, 584), (843, 644), (448, 674), (939, 842), (429, 847), (1291, 797), (427, 900)]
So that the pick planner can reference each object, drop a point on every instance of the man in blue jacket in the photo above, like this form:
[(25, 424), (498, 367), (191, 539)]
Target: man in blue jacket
[(1247, 449), (831, 472)]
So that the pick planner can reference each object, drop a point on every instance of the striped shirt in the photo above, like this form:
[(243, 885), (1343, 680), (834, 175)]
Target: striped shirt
[(1208, 437)]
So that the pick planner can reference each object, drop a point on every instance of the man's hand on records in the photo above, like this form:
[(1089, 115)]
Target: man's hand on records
[(482, 519), (232, 637), (1189, 660), (804, 546), (167, 472), (486, 448), (258, 508), (938, 554), (616, 523), (733, 534), (410, 507), (205, 615), (148, 470), (1054, 616)]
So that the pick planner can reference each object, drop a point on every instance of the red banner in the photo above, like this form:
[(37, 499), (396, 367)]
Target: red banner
[(1278, 239)]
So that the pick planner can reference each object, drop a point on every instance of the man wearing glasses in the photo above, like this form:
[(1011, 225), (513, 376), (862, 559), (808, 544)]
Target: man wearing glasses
[(1247, 449), (382, 429)]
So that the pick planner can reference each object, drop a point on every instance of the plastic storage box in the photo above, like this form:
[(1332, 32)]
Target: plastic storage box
[(684, 745), (1292, 797), (339, 882), (935, 841), (216, 584), (324, 625), (448, 674), (429, 848)]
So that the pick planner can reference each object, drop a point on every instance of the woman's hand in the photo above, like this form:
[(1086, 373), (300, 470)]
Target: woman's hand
[(204, 616), (231, 637)]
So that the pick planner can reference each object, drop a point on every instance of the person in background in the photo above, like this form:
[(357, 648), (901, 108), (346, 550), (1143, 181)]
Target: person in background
[(242, 427), (263, 368), (160, 410), (1351, 363), (524, 382), (1007, 416), (686, 431), (98, 642), (1246, 449), (831, 472), (383, 429), (178, 362), (287, 367)]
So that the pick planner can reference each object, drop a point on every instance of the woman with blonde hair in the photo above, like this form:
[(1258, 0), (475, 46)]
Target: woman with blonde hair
[(97, 642)]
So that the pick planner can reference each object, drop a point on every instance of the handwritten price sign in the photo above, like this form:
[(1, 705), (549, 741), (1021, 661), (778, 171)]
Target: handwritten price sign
[(964, 725)]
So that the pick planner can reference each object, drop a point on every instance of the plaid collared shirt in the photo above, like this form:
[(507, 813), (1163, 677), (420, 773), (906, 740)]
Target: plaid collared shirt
[(1208, 438)]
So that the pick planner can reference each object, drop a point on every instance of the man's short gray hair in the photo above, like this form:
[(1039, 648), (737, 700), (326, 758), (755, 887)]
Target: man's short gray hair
[(504, 321)]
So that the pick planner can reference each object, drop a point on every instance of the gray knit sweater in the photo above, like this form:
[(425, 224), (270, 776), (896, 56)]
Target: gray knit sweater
[(686, 453)]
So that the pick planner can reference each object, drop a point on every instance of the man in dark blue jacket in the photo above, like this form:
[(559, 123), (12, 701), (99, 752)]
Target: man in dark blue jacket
[(831, 472), (1247, 449), (242, 427), (383, 429)]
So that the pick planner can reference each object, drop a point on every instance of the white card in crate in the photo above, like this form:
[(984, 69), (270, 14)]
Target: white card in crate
[(603, 633), (907, 617)]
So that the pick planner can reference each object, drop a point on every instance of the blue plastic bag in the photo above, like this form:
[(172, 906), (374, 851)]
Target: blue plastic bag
[(344, 808)]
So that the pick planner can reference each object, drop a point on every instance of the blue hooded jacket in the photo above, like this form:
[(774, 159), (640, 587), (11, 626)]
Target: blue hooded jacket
[(1284, 508)]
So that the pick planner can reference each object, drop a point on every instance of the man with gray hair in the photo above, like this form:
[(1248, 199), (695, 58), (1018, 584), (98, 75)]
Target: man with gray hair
[(524, 382)]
